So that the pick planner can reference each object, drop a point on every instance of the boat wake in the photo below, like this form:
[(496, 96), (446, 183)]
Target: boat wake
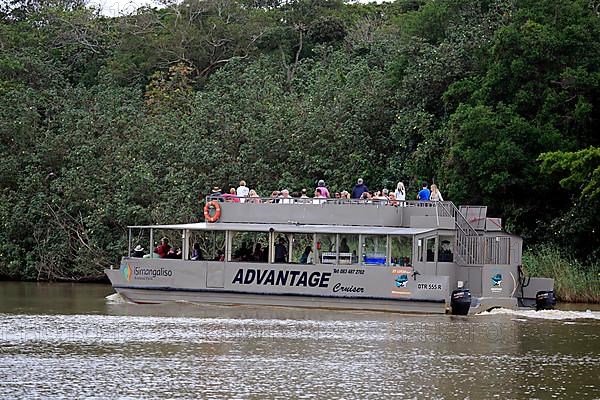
[(116, 298), (545, 314)]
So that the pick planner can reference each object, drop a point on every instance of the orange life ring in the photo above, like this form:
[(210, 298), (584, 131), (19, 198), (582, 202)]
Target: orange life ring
[(212, 204)]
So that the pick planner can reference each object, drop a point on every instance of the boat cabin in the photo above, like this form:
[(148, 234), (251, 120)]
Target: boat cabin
[(432, 237)]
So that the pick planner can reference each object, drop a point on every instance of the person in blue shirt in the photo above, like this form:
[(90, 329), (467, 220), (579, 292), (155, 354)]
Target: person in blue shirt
[(359, 189), (424, 193)]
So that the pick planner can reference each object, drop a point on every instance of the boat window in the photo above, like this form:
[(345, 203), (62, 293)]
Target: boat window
[(348, 249), (446, 249), (401, 250), (173, 241), (430, 249), (139, 243), (282, 248), (374, 250), (249, 246), (303, 248), (211, 243), (326, 251)]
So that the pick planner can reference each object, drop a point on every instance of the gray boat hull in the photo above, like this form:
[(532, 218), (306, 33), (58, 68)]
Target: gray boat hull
[(318, 286)]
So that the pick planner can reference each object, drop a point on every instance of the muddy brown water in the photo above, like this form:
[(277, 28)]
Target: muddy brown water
[(71, 341)]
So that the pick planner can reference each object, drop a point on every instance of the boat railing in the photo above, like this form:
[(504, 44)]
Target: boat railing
[(325, 201)]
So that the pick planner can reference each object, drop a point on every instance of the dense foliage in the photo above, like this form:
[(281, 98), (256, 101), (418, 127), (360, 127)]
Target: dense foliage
[(108, 122)]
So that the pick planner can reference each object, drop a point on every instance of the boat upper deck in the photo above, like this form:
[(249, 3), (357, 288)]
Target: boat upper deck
[(400, 214)]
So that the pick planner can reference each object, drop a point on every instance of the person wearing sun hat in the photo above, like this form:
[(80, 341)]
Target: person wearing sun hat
[(138, 252), (216, 193)]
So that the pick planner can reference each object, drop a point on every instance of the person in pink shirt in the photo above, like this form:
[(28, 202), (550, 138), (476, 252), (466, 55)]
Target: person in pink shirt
[(324, 190)]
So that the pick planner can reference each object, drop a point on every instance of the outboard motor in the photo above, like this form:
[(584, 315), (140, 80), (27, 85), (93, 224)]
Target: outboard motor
[(545, 300), (460, 301)]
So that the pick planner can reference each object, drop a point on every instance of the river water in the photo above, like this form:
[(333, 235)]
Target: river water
[(70, 341)]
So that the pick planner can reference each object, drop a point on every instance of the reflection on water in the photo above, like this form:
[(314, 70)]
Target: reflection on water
[(69, 341)]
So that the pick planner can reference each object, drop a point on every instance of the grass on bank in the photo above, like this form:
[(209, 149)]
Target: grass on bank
[(573, 281)]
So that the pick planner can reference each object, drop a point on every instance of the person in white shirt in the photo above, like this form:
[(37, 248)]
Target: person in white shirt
[(435, 195), (285, 197), (242, 191), (319, 198), (400, 192)]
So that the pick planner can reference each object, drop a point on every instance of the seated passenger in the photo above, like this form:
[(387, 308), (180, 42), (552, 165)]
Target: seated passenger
[(380, 196), (174, 254), (196, 252), (216, 194), (304, 199), (231, 196), (220, 256), (243, 253), (366, 198), (138, 252), (285, 197), (281, 251), (344, 246), (257, 255), (274, 197), (319, 197), (163, 249), (253, 197)]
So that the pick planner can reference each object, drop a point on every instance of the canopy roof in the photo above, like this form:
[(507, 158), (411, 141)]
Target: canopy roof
[(291, 228)]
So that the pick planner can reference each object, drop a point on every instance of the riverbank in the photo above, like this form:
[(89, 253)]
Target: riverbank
[(574, 282)]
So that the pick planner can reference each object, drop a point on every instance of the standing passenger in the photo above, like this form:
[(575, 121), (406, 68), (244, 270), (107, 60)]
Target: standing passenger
[(324, 190), (424, 193), (400, 192), (359, 189), (435, 195), (305, 257), (281, 251), (242, 191)]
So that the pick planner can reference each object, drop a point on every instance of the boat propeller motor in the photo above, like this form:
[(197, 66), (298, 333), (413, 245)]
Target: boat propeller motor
[(545, 300), (460, 301)]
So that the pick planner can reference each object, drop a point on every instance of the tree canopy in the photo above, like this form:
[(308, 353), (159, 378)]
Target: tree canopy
[(108, 122)]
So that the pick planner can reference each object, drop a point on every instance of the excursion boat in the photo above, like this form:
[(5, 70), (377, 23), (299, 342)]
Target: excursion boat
[(402, 256)]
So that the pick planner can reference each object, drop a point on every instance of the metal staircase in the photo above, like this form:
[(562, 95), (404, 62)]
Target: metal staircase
[(469, 245)]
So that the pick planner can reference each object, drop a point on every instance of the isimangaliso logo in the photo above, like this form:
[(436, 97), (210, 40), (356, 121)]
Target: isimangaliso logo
[(126, 271)]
